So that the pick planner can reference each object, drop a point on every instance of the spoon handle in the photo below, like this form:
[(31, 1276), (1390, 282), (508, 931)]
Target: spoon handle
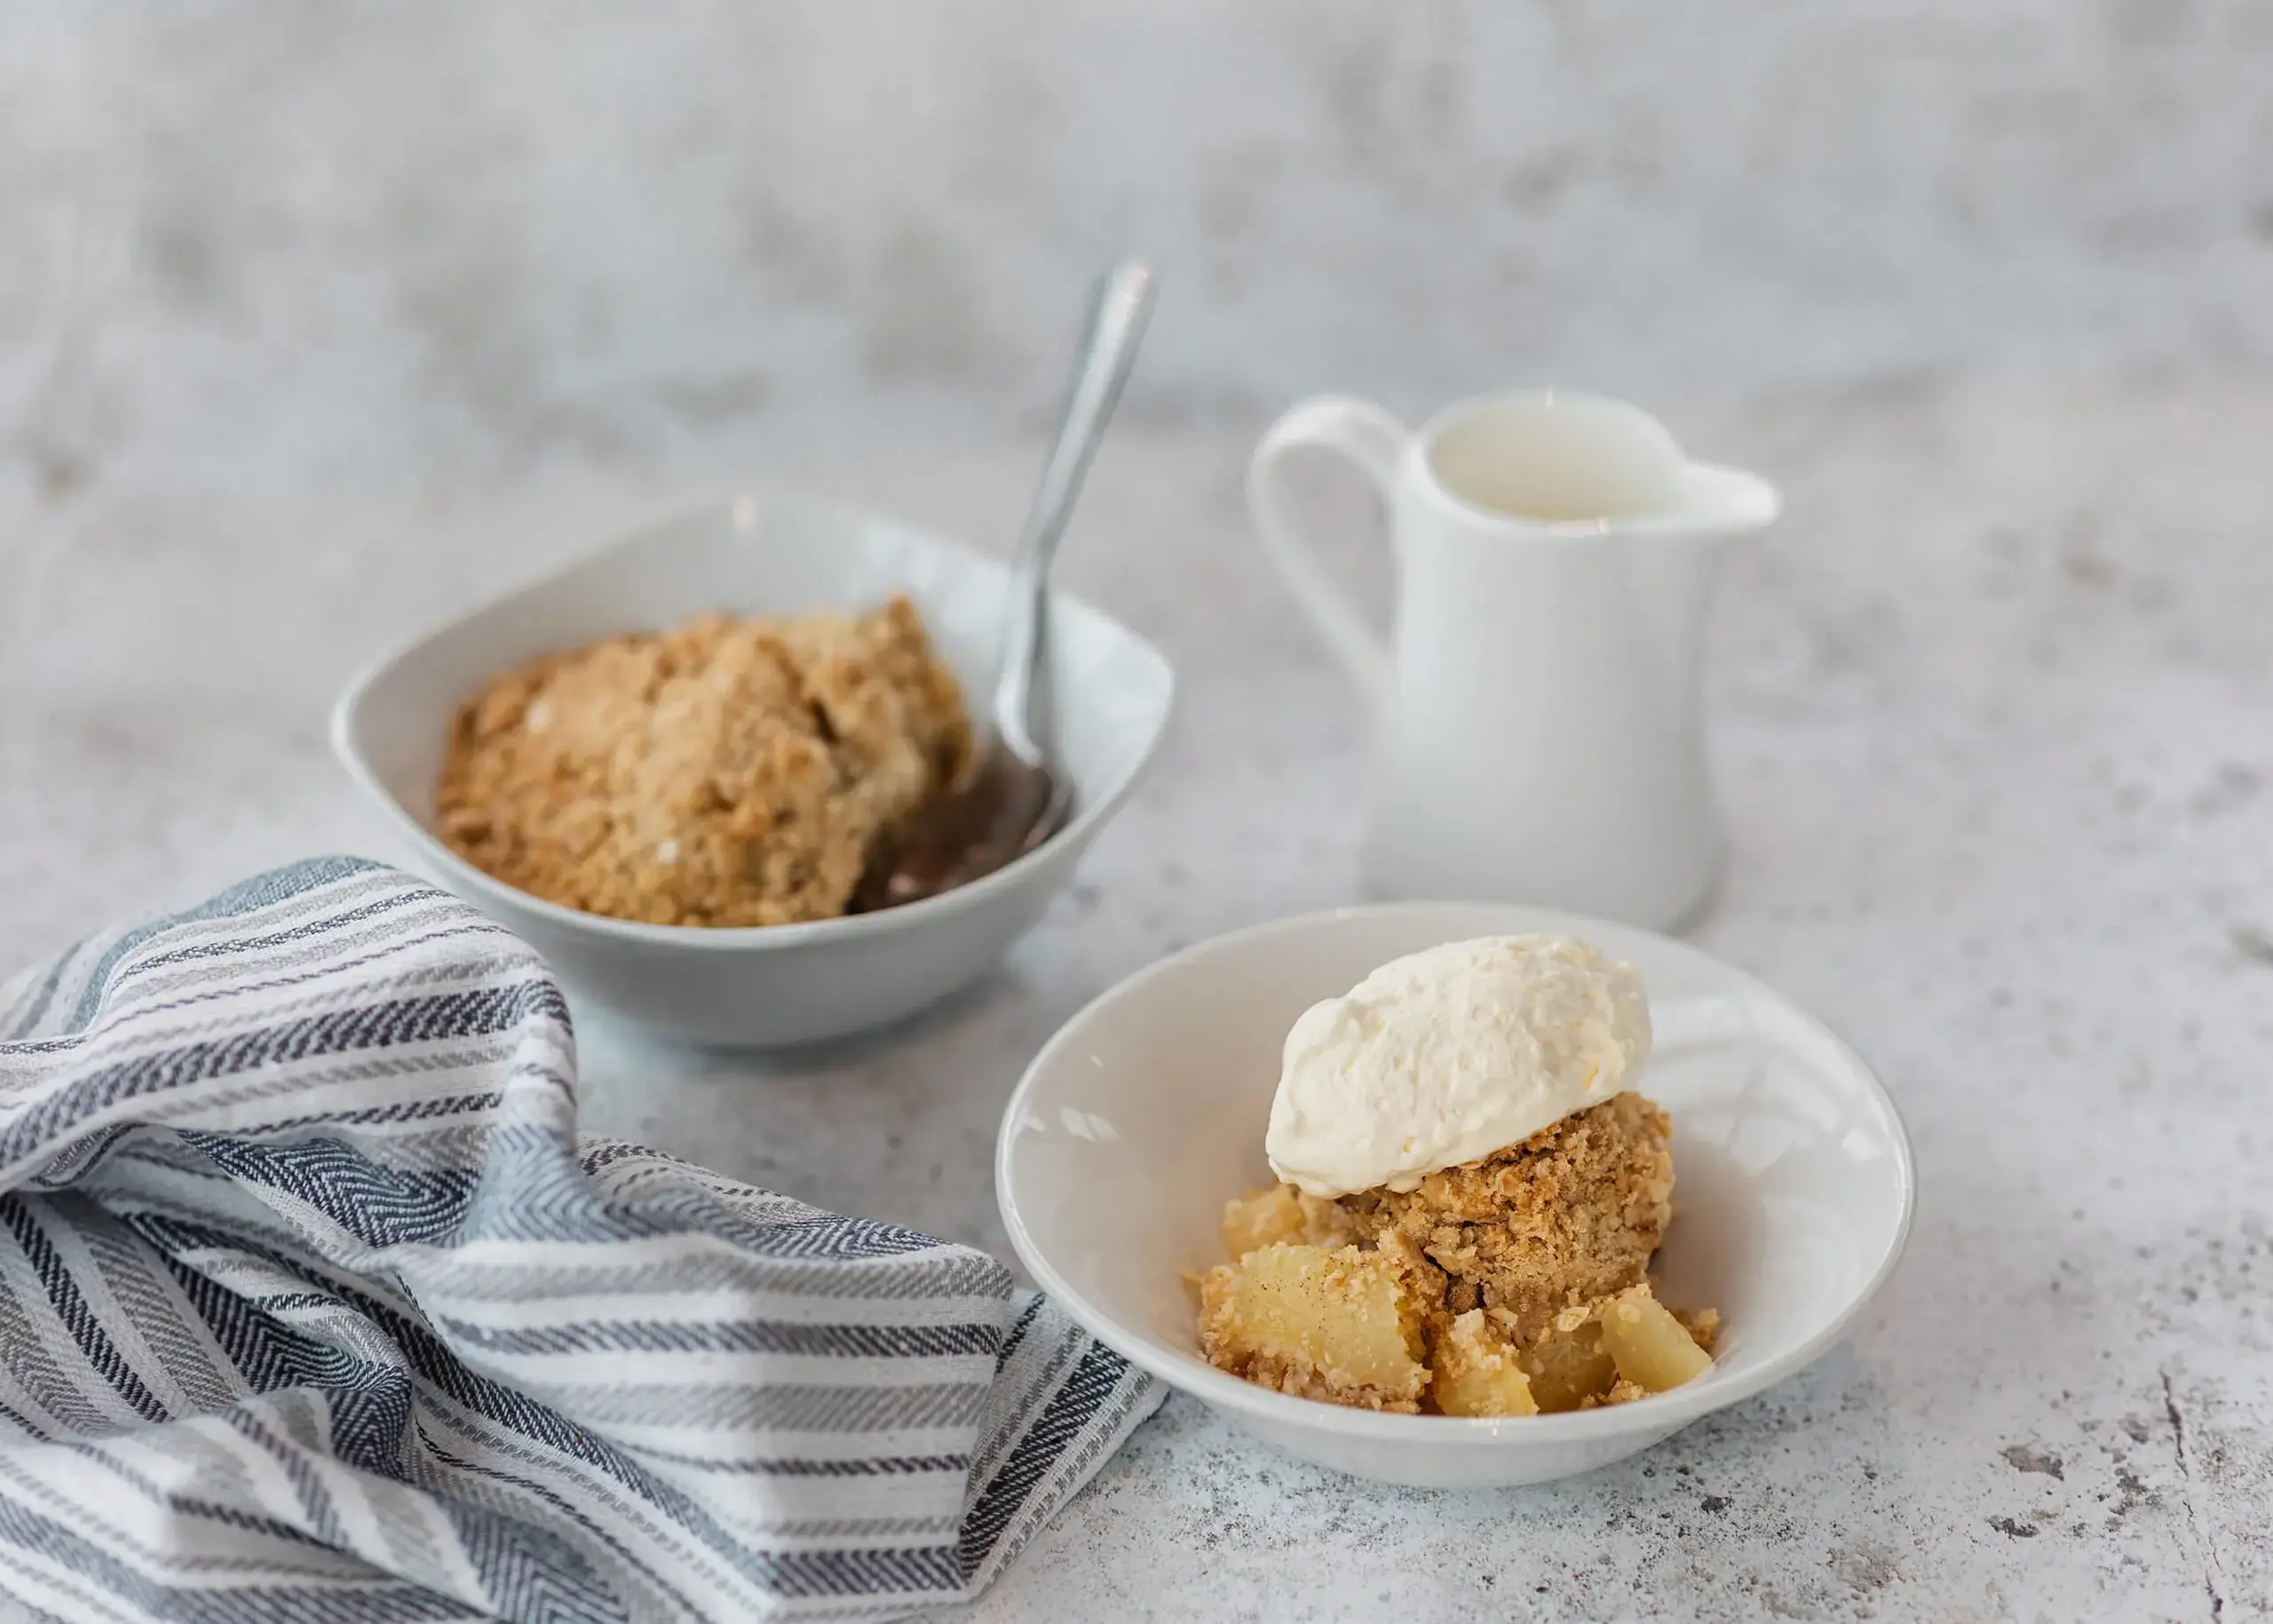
[(1117, 309)]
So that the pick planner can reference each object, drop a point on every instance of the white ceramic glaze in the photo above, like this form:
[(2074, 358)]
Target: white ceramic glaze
[(1538, 734), (767, 554), (1793, 1184)]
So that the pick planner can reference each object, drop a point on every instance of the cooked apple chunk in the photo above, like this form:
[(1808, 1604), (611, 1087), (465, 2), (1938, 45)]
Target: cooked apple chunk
[(1283, 1215), (1266, 1218), (1340, 1324), (1476, 1371), (1653, 1351), (1567, 1364)]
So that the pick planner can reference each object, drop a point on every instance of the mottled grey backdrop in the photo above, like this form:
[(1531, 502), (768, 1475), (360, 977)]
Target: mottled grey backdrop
[(320, 321), (446, 238)]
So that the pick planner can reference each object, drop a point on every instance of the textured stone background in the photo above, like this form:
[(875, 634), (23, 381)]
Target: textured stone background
[(454, 238), (317, 322)]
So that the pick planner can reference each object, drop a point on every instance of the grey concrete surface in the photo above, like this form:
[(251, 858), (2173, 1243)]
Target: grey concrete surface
[(1995, 715)]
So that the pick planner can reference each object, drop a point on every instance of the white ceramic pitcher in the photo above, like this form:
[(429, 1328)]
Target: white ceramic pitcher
[(1539, 734)]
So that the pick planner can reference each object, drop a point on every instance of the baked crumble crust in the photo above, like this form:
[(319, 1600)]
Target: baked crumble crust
[(1570, 1214), (725, 772)]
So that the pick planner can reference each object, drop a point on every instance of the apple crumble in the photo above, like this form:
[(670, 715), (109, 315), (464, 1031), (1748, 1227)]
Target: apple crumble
[(1471, 1194), (725, 772), (1507, 1287)]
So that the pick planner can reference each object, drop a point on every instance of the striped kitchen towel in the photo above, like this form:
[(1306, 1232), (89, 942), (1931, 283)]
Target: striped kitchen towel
[(313, 1307)]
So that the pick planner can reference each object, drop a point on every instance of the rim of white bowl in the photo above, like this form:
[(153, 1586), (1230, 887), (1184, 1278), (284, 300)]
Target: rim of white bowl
[(1661, 1412), (1087, 818)]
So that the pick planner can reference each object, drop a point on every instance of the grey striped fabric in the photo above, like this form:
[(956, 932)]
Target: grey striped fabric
[(313, 1307)]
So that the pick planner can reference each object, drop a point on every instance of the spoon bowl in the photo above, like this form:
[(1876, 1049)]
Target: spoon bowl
[(1004, 809)]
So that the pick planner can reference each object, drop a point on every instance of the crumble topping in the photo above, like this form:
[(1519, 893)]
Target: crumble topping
[(1572, 1214), (725, 772)]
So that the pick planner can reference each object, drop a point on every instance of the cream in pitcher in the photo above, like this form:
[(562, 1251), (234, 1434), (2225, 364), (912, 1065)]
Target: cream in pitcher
[(1540, 735)]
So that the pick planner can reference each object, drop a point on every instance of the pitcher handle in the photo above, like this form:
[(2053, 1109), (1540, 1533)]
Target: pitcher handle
[(1375, 441)]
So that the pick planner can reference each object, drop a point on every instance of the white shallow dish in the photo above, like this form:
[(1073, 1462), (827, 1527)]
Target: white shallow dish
[(1793, 1179), (769, 553)]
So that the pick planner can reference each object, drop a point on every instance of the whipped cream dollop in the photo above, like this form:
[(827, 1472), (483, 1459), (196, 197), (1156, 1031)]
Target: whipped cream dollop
[(1449, 1054)]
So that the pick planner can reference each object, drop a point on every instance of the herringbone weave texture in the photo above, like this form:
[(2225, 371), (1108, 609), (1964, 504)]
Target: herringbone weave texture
[(313, 1307)]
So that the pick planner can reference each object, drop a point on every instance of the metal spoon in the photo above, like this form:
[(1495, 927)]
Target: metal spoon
[(1015, 797)]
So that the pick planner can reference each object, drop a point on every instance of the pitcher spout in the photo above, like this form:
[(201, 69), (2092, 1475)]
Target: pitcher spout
[(1717, 505), (1674, 559)]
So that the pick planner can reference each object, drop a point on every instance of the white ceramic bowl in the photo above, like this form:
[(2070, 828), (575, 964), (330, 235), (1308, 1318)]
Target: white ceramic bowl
[(1794, 1184), (770, 553)]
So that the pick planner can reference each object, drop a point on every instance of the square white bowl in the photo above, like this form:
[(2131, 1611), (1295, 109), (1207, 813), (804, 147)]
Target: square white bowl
[(1792, 1190), (770, 552)]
